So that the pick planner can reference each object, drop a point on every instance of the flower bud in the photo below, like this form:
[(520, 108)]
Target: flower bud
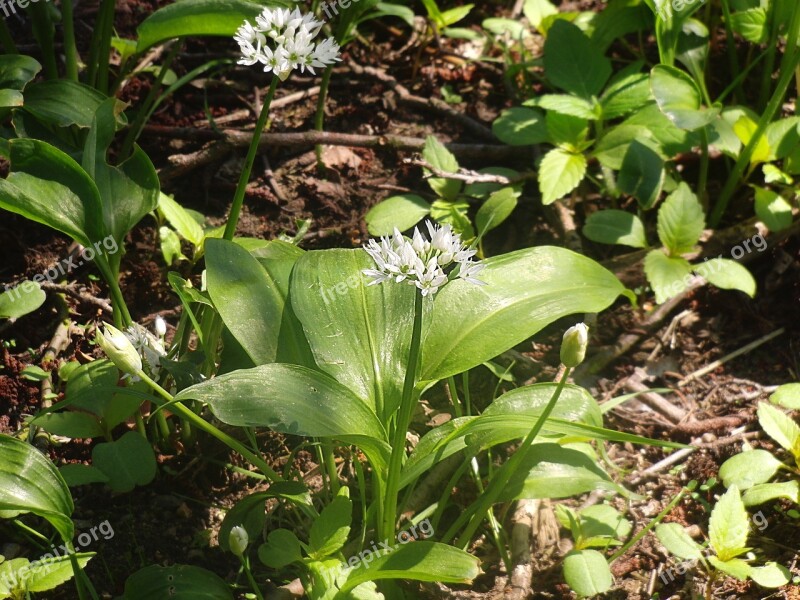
[(238, 540), (160, 327), (120, 350), (573, 346)]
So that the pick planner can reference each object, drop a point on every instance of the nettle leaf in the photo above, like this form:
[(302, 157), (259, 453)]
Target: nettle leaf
[(746, 469), (679, 543), (330, 530), (566, 131), (281, 548), (780, 427), (613, 226), (178, 582), (642, 174), (403, 211), (727, 274), (680, 221), (668, 276), (671, 139), (127, 462), (587, 572), (735, 567), (56, 572), (766, 492), (572, 63), (787, 396), (610, 150), (560, 172), (21, 300), (728, 525), (568, 105), (439, 157), (751, 24), (627, 92), (521, 126), (679, 98), (773, 209)]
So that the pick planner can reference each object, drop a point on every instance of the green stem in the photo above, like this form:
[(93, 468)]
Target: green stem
[(244, 178), (319, 117), (44, 32), (70, 49), (481, 507), (791, 60), (250, 578), (105, 30), (704, 164), (403, 420), (733, 60), (330, 466), (122, 317), (188, 415)]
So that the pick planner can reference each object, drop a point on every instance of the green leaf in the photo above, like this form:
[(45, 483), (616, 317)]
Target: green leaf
[(779, 426), (282, 548), (62, 102), (766, 492), (495, 210), (770, 575), (22, 299), (45, 576), (572, 63), (568, 105), (602, 520), (560, 172), (773, 209), (783, 137), (751, 24), (679, 543), (728, 525), (787, 396), (612, 147), (587, 573), (735, 567), (30, 483), (671, 139), (86, 381), (521, 126), (439, 157), (727, 275), (668, 276), (71, 424), (679, 98), (181, 220), (745, 128), (419, 561), (526, 291), (626, 94), (291, 399), (47, 186), (566, 131), (127, 462), (693, 47), (613, 226), (403, 211), (537, 10), (195, 18), (642, 174), (80, 474), (680, 221), (746, 469), (251, 296), (17, 70), (178, 582), (330, 530)]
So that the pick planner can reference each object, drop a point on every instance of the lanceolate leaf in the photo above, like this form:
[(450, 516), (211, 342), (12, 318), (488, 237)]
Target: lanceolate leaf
[(526, 290), (177, 582)]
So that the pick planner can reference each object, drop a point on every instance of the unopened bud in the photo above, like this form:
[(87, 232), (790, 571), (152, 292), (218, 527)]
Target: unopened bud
[(238, 540), (573, 346), (160, 327), (120, 350)]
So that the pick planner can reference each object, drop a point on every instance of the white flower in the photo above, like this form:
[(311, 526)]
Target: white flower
[(283, 41), (428, 265), (149, 348), (119, 349), (160, 327)]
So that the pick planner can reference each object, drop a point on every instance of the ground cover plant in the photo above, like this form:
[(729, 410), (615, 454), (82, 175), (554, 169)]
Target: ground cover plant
[(382, 300)]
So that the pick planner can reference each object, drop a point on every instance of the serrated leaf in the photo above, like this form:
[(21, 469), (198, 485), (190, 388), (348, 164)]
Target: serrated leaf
[(787, 395), (642, 174), (566, 130), (567, 104), (521, 126), (746, 469), (728, 525), (679, 98), (680, 221), (572, 63), (667, 275), (735, 567), (675, 539), (751, 24), (779, 426), (613, 226), (560, 172)]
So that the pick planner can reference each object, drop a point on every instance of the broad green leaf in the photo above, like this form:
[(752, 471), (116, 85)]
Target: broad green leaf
[(80, 474), (744, 129), (671, 139), (735, 567), (127, 462), (178, 582), (728, 525), (587, 573), (602, 520), (403, 211), (196, 18), (500, 27), (675, 539), (693, 47), (62, 102), (439, 157), (770, 575), (47, 186), (54, 572), (567, 104), (537, 10), (520, 126), (773, 174), (418, 561), (727, 274), (787, 396), (181, 220), (572, 63), (626, 94), (495, 210), (71, 424), (668, 276), (281, 548), (21, 299), (766, 492), (251, 297), (359, 334), (642, 174), (613, 226), (330, 530), (617, 20), (679, 98), (680, 221), (292, 399), (779, 426), (783, 137), (454, 15), (773, 209), (17, 70), (83, 388), (746, 469), (29, 482), (751, 24), (526, 290), (560, 172), (611, 149), (566, 131)]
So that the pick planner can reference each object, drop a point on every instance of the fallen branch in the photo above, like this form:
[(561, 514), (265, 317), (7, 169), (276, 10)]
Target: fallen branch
[(468, 176)]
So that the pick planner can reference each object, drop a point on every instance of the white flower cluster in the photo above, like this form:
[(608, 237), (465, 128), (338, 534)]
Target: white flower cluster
[(425, 264), (283, 40), (149, 347)]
